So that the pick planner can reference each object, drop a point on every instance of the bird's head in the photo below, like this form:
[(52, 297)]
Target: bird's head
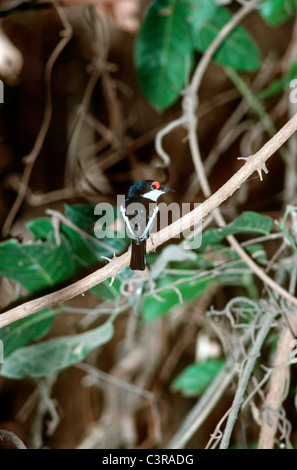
[(148, 189)]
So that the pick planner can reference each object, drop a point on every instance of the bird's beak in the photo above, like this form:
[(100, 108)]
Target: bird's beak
[(168, 190)]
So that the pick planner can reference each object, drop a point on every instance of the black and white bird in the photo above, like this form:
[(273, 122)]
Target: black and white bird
[(139, 212)]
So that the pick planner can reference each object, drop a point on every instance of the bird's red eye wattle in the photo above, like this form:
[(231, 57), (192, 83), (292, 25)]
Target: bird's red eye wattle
[(156, 185)]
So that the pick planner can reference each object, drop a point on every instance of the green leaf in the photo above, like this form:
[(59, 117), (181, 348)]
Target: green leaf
[(21, 332), (153, 307), (108, 292), (42, 359), (238, 51), (248, 222), (81, 253), (45, 264), (277, 86), (164, 52), (187, 288), (41, 228), (85, 218), (73, 241), (276, 12), (36, 266), (199, 12), (195, 378), (81, 215), (83, 248)]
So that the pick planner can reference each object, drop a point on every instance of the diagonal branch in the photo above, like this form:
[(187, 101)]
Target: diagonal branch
[(253, 163)]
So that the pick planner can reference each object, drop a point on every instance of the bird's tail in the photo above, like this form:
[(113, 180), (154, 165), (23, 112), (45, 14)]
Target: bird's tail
[(137, 262)]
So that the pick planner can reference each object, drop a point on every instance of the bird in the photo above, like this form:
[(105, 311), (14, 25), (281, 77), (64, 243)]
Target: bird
[(139, 210)]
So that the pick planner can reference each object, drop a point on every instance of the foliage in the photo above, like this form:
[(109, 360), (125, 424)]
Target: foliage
[(277, 12), (172, 39), (46, 261), (170, 35), (195, 378), (172, 287), (45, 358)]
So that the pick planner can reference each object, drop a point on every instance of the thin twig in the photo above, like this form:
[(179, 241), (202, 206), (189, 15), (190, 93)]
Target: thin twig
[(190, 109), (225, 31), (190, 104), (189, 117), (31, 158), (130, 388), (98, 65), (203, 408), (60, 217), (10, 436), (161, 134), (266, 321), (277, 389), (45, 407), (190, 100)]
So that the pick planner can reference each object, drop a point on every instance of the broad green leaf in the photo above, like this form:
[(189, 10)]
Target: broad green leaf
[(276, 12), (248, 222), (81, 215), (83, 247), (164, 52), (195, 378), (40, 228), (155, 306), (85, 218), (36, 266), (199, 12), (73, 241), (238, 51), (42, 359), (21, 332), (106, 291), (44, 264), (81, 252)]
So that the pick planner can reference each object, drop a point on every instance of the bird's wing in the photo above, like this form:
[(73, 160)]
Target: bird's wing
[(139, 223)]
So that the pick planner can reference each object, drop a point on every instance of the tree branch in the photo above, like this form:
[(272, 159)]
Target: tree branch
[(277, 391), (264, 328), (253, 163)]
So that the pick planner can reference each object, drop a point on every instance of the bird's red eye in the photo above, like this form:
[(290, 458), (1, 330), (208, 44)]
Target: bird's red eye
[(156, 185)]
